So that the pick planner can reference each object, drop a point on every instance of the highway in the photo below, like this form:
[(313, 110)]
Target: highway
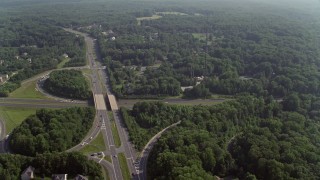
[(40, 103), (101, 93), (100, 88), (100, 104)]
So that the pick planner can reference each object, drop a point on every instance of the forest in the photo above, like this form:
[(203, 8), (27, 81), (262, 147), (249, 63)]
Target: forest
[(46, 164), (247, 138), (28, 47), (51, 131), (68, 83), (253, 51)]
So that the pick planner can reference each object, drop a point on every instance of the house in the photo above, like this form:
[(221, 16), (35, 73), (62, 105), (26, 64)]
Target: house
[(59, 176), (4, 78), (27, 173), (65, 55), (80, 177)]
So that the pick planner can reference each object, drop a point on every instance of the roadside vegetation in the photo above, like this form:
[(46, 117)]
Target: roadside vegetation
[(114, 130), (124, 167), (68, 83), (14, 116), (51, 131), (47, 164), (97, 145), (28, 90), (246, 138)]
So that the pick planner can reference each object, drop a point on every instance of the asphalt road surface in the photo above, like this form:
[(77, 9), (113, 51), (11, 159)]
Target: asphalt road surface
[(141, 163), (102, 114), (39, 103)]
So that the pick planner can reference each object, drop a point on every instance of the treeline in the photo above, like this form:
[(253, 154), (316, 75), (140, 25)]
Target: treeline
[(68, 83), (12, 166), (247, 138), (51, 131)]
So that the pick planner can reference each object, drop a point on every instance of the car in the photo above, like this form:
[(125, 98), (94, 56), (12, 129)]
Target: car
[(99, 153), (92, 155), (115, 156), (90, 137)]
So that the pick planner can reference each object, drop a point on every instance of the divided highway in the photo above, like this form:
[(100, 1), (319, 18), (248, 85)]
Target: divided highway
[(101, 92), (100, 104)]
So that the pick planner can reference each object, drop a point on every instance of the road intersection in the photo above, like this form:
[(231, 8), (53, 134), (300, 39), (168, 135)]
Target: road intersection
[(103, 98)]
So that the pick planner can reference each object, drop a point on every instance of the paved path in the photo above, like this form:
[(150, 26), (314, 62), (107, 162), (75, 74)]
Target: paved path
[(143, 160)]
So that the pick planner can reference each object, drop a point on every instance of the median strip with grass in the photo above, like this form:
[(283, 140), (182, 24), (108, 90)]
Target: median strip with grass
[(114, 130), (105, 173), (97, 145), (123, 166)]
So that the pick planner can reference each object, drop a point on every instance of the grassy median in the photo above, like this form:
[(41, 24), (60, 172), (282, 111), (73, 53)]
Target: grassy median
[(124, 167), (114, 130)]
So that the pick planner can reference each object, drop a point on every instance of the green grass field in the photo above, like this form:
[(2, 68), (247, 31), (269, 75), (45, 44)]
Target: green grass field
[(97, 145), (124, 167), (114, 129), (153, 17), (13, 116), (105, 173), (200, 36), (62, 63), (28, 90), (107, 158), (172, 13), (86, 71)]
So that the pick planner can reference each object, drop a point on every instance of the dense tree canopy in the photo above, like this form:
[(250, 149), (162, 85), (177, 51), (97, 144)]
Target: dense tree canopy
[(11, 166), (245, 138), (68, 83), (51, 131)]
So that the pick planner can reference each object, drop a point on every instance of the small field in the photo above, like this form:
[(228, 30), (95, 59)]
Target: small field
[(14, 116), (62, 63), (124, 167), (200, 36), (108, 158), (105, 173), (86, 71), (28, 90), (97, 145), (172, 13), (153, 17)]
